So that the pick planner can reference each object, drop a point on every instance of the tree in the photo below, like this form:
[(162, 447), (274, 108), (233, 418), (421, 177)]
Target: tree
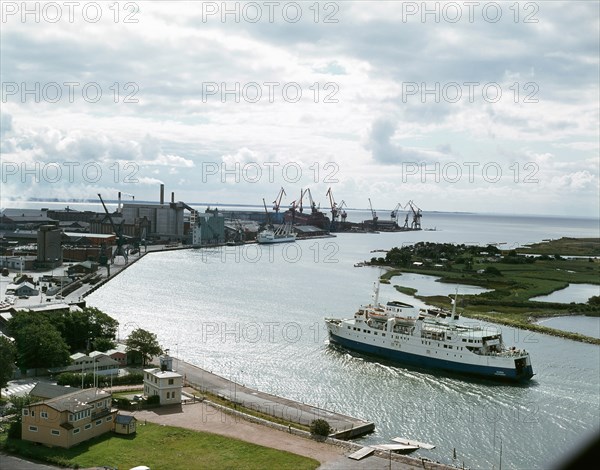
[(80, 329), (103, 344), (144, 343), (40, 345), (17, 403), (320, 427), (8, 356)]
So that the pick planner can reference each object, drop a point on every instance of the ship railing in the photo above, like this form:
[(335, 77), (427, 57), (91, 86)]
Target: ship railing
[(507, 353)]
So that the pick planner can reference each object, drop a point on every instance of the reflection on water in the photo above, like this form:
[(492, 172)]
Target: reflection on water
[(589, 326), (429, 285)]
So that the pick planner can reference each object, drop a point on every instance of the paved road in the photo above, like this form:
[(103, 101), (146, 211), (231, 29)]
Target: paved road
[(9, 462), (269, 404)]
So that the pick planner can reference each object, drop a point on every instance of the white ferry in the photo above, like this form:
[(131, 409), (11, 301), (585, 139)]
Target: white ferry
[(430, 339)]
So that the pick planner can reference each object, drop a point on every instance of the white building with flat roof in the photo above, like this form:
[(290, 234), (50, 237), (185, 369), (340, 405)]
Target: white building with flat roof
[(164, 383)]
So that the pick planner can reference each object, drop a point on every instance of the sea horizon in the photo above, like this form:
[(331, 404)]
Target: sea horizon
[(92, 202)]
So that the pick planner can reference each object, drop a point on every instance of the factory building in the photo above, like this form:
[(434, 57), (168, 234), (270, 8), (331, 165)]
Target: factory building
[(49, 246), (207, 228), (166, 221)]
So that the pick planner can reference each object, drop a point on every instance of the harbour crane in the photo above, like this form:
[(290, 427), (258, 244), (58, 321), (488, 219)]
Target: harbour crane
[(341, 210), (120, 251), (313, 205), (395, 212), (373, 214), (277, 201), (416, 221), (334, 209), (268, 219), (299, 205)]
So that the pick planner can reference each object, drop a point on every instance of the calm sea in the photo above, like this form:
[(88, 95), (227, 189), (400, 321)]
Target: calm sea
[(255, 314)]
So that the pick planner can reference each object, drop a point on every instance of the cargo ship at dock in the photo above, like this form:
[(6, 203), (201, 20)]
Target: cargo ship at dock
[(429, 339)]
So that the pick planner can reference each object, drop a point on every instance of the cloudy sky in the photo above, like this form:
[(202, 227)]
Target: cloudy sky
[(487, 107)]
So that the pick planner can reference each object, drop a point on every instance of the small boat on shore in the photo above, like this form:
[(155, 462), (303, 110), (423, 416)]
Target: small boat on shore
[(283, 233)]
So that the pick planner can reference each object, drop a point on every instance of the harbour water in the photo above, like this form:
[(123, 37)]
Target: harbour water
[(255, 314), (589, 326), (572, 293), (429, 285)]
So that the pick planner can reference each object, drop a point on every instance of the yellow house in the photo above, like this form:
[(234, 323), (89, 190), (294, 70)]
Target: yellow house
[(69, 419)]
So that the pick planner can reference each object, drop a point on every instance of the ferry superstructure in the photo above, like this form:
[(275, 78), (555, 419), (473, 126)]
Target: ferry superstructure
[(431, 339)]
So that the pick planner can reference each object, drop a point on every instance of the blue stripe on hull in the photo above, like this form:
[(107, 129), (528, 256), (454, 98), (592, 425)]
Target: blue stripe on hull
[(433, 363)]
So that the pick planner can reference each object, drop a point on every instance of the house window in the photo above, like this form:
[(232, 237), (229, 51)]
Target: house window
[(108, 418), (55, 432), (76, 431), (99, 422), (71, 417), (99, 404), (32, 413), (171, 381), (88, 426), (33, 428), (25, 412), (43, 414)]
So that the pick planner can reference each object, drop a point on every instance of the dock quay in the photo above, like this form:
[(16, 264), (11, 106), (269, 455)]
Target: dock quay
[(345, 427)]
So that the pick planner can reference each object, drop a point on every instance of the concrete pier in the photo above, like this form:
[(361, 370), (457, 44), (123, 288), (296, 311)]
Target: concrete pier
[(345, 427)]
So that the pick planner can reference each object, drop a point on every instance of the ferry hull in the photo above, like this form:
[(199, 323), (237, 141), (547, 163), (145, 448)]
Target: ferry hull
[(490, 372)]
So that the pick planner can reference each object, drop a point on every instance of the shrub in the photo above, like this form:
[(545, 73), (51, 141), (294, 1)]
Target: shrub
[(320, 427), (153, 400)]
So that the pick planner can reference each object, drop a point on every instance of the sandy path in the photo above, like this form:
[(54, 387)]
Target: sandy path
[(203, 417)]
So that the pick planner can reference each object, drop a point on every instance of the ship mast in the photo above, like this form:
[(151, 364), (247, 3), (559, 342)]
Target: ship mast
[(376, 289), (454, 316)]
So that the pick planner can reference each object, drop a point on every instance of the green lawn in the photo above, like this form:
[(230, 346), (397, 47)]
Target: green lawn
[(509, 301), (163, 447)]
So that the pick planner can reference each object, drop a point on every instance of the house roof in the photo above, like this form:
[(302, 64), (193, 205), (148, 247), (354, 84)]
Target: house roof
[(119, 348), (163, 373), (19, 286), (46, 390), (125, 419), (97, 353), (75, 401), (77, 356)]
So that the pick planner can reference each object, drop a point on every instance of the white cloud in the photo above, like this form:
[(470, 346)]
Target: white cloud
[(360, 64)]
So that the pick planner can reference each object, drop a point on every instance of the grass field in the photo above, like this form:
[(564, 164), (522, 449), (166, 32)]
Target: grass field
[(163, 447), (565, 246), (509, 301)]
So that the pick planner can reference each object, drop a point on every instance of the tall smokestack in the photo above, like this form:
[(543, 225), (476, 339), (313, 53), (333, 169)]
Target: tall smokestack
[(173, 197), (162, 194), (119, 205)]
